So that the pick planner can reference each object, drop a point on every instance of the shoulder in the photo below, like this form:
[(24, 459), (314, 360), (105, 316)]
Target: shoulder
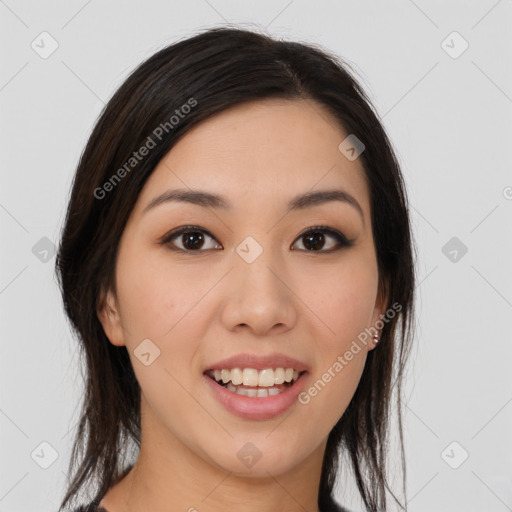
[(337, 508), (91, 507), (332, 506)]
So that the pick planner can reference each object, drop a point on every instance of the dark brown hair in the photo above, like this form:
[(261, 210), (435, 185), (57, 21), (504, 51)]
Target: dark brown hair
[(219, 68)]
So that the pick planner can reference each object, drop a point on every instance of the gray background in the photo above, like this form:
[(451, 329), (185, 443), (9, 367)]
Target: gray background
[(449, 116)]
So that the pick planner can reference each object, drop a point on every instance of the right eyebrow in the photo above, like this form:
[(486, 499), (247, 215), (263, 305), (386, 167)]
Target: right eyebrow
[(209, 200)]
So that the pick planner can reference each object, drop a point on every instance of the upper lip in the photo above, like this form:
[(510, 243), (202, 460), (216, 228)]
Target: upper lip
[(259, 362)]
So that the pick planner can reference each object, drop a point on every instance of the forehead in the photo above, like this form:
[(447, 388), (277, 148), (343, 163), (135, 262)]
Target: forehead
[(270, 150)]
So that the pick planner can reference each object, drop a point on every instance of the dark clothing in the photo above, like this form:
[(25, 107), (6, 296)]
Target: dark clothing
[(93, 507)]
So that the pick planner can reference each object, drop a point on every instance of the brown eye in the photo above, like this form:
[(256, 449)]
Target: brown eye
[(191, 238), (195, 239), (315, 239)]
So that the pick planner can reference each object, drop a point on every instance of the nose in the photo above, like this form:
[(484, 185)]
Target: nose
[(258, 296)]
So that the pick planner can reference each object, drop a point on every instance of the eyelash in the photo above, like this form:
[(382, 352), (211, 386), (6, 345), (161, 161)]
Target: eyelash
[(340, 238)]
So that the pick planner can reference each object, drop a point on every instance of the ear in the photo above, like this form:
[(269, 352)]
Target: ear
[(381, 305), (108, 315)]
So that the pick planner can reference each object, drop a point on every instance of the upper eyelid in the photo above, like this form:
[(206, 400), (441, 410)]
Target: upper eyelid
[(333, 232)]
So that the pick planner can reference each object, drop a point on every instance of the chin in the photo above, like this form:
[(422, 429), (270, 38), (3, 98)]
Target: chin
[(257, 459)]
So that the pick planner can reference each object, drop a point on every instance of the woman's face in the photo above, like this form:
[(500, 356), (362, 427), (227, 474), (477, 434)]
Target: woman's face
[(248, 279)]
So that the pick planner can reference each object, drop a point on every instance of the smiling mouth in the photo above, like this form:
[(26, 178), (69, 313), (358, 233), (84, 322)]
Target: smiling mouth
[(252, 383)]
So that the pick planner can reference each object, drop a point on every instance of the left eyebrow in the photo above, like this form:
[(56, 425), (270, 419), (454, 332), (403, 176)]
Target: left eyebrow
[(311, 199), (209, 200), (198, 197)]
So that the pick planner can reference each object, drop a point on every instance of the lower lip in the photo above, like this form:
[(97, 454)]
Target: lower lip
[(257, 408)]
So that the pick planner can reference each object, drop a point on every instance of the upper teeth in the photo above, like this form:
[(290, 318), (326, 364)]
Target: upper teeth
[(251, 377)]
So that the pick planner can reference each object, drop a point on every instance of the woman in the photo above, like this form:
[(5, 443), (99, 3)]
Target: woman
[(235, 261)]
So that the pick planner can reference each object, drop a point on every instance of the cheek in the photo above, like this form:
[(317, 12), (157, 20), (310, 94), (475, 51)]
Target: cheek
[(329, 393), (344, 300), (156, 293)]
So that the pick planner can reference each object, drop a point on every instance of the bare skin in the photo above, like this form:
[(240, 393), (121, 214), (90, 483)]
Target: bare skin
[(207, 304)]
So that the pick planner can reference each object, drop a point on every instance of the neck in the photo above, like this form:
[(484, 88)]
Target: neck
[(169, 476)]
